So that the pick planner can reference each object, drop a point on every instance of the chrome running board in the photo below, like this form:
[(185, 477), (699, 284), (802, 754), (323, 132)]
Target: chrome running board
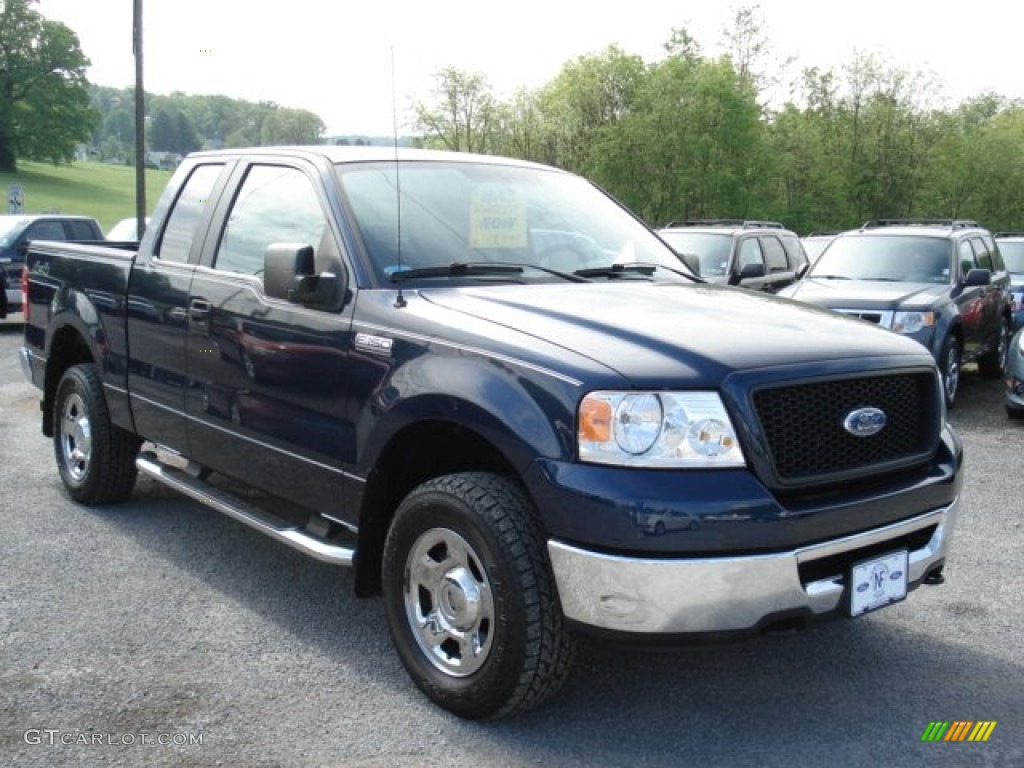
[(294, 536)]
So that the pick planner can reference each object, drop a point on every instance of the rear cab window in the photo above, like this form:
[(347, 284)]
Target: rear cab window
[(176, 241)]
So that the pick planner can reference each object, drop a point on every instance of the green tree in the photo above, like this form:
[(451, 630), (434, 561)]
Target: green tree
[(44, 95), (461, 116), (291, 126), (587, 98)]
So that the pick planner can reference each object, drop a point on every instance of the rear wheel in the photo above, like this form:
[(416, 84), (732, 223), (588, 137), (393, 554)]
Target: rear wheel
[(949, 363), (992, 364), (96, 459), (470, 599)]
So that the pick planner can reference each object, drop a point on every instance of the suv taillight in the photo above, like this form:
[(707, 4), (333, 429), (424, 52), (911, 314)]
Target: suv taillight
[(24, 292)]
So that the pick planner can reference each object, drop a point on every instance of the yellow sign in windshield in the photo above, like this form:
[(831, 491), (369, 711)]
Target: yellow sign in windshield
[(497, 218)]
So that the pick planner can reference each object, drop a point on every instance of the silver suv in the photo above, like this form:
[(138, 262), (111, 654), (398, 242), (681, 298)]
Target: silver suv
[(759, 255)]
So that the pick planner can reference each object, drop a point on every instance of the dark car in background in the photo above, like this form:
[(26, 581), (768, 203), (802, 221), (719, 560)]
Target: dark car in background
[(1011, 246), (941, 282), (16, 230), (759, 255)]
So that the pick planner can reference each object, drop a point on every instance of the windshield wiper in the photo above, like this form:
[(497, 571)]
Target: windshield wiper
[(479, 269), (828, 277), (637, 267)]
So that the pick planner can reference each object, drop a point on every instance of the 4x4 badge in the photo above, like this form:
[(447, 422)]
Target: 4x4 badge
[(864, 422)]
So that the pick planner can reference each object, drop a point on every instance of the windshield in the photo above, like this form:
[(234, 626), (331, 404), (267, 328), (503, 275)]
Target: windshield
[(711, 249), (478, 213), (10, 228), (1013, 255), (813, 246), (895, 258)]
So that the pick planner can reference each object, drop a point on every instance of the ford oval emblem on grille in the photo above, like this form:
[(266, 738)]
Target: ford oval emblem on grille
[(864, 422)]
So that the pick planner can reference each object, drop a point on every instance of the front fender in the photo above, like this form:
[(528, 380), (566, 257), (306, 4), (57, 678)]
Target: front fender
[(525, 414)]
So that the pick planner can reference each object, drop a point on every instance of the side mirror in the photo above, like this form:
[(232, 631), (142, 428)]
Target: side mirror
[(749, 271), (289, 273), (977, 277)]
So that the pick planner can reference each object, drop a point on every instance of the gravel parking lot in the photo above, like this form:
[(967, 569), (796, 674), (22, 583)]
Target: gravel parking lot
[(160, 633)]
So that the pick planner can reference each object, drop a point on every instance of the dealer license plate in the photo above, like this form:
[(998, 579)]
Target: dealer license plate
[(877, 582)]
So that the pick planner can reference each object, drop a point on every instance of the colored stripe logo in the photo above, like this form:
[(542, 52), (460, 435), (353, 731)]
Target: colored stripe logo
[(958, 730)]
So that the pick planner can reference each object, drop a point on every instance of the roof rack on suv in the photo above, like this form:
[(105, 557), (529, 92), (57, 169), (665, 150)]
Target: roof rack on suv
[(953, 223), (745, 223)]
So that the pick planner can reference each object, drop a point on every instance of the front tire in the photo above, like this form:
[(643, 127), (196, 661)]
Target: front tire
[(950, 364), (96, 459), (470, 598)]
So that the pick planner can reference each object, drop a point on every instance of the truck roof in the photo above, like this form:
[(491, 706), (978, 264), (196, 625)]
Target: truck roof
[(348, 154)]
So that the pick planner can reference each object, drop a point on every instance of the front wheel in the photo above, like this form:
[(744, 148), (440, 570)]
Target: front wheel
[(96, 459), (949, 363), (470, 598)]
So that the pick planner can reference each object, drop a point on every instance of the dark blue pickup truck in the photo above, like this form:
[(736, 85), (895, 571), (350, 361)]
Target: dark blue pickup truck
[(502, 400)]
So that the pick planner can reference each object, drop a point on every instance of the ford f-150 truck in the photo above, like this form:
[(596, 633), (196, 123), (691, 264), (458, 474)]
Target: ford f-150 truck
[(501, 399)]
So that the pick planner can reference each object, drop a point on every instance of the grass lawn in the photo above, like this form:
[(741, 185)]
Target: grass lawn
[(106, 192)]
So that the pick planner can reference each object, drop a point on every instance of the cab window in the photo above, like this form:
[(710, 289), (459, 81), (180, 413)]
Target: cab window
[(275, 204), (176, 242)]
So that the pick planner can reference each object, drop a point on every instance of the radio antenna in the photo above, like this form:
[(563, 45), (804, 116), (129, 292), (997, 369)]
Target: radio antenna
[(400, 302)]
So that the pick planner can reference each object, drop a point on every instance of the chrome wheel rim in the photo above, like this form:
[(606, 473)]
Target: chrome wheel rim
[(76, 437), (952, 376), (1004, 346), (448, 602)]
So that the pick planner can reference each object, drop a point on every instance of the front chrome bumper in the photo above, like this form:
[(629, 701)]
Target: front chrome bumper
[(723, 594)]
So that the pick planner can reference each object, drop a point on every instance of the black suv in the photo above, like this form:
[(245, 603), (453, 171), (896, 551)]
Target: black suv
[(759, 255), (939, 281), (16, 230)]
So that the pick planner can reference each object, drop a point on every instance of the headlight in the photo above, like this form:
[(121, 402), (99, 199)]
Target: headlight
[(912, 322), (657, 429)]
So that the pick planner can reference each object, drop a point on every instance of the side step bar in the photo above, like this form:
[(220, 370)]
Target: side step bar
[(148, 463)]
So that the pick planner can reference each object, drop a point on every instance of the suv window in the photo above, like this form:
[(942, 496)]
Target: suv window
[(750, 253), (45, 230), (981, 252), (794, 251), (176, 243), (275, 204), (966, 254), (898, 258), (774, 254), (1013, 253), (81, 229)]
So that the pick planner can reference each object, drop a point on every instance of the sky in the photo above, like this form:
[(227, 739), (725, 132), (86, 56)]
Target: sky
[(361, 65)]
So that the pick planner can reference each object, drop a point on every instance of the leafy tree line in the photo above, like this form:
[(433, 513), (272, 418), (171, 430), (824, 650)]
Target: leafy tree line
[(693, 136), (686, 136), (182, 123), (48, 108)]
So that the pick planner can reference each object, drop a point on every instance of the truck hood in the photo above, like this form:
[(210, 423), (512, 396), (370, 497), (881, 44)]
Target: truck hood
[(653, 333), (866, 294)]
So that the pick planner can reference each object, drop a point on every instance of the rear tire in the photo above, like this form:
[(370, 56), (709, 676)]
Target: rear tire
[(470, 599), (96, 459)]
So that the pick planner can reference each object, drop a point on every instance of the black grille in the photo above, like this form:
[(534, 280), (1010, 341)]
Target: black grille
[(803, 425)]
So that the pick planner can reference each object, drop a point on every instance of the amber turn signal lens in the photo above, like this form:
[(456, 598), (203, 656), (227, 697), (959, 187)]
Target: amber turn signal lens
[(595, 421)]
